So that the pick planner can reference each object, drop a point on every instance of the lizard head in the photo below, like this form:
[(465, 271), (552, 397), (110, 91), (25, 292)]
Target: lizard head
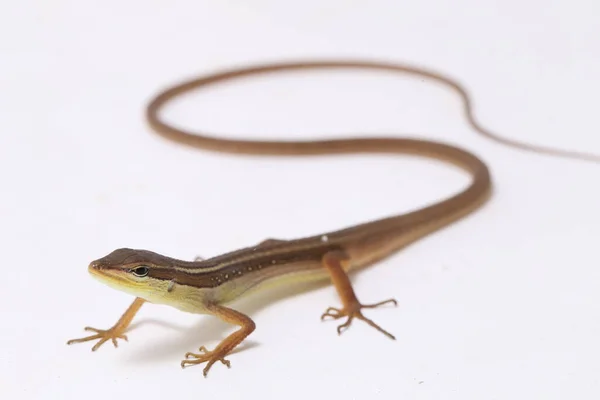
[(141, 273)]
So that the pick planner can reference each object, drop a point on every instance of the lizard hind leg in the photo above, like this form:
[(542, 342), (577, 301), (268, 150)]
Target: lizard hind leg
[(351, 307)]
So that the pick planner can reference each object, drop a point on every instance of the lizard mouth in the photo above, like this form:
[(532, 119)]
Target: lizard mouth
[(109, 277)]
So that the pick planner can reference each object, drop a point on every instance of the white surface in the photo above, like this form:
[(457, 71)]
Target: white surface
[(504, 305)]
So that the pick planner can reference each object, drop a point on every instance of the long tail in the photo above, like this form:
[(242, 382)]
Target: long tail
[(198, 139)]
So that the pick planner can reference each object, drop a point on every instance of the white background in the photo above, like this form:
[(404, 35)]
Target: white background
[(503, 305)]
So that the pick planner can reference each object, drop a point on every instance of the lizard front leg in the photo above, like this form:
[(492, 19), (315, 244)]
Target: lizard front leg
[(209, 357), (114, 333)]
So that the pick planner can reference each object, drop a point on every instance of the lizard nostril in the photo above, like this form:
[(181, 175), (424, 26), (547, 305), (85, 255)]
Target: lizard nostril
[(95, 265)]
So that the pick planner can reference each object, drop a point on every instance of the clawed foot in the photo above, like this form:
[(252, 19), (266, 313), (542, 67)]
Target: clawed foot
[(209, 357), (355, 312), (104, 336)]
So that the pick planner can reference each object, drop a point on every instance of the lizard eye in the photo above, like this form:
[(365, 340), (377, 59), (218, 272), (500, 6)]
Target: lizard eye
[(141, 271)]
